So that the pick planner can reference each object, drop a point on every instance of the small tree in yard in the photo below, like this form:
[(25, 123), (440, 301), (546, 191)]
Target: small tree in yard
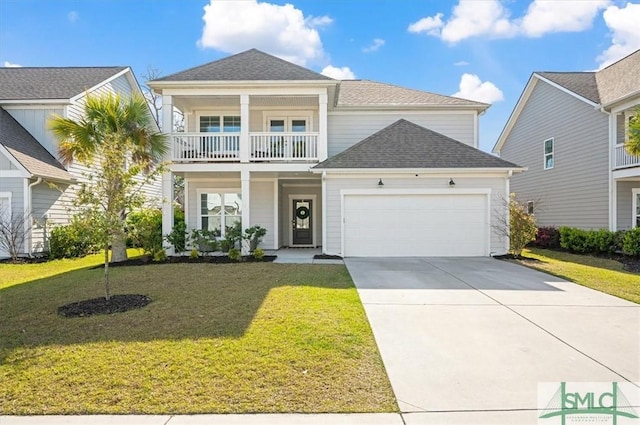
[(519, 226), (117, 141), (13, 232)]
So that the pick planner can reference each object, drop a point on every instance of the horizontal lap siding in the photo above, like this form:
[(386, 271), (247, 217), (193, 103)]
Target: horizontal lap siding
[(335, 185), (262, 210), (575, 191), (345, 130), (625, 203), (50, 201)]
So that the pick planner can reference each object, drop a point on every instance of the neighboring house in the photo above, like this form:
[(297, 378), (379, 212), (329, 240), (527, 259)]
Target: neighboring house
[(358, 167), (33, 183), (569, 130)]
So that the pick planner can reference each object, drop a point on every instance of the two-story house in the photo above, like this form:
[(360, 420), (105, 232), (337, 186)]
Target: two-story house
[(569, 130), (357, 167), (33, 183)]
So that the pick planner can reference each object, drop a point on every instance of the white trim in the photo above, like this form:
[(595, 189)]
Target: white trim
[(100, 84), (238, 88), (323, 193), (32, 103), (9, 174), (12, 159), (313, 219), (626, 173), (36, 105), (612, 184), (391, 192), (7, 195), (186, 202), (287, 116), (303, 185), (26, 210), (634, 205), (237, 167), (476, 130), (276, 216), (552, 153), (367, 174), (419, 109), (567, 91), (201, 190)]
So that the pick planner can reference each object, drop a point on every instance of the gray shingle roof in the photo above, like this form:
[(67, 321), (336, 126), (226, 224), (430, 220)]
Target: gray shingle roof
[(581, 83), (246, 66), (372, 93), (619, 79), (51, 83), (404, 144), (28, 151)]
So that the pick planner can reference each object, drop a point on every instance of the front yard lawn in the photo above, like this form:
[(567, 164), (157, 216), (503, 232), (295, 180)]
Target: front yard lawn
[(602, 274), (215, 339)]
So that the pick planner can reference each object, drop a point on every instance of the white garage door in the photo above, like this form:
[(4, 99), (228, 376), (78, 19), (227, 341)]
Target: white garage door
[(438, 225)]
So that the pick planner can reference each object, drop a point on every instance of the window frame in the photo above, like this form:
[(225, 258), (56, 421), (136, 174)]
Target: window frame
[(530, 207), (546, 154), (222, 192), (221, 115), (288, 117), (634, 207)]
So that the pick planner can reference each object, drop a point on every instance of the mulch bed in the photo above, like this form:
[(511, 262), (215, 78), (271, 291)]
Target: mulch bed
[(25, 260), (213, 259), (630, 264), (115, 304), (515, 257), (326, 257)]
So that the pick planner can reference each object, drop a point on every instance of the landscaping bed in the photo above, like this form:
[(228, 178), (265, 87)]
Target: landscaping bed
[(185, 259)]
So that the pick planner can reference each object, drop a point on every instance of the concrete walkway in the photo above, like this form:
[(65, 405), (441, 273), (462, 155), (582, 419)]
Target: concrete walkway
[(300, 256), (467, 341)]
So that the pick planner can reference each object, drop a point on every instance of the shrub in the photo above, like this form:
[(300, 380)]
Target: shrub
[(253, 235), (234, 254), (144, 230), (547, 237), (160, 256), (573, 239), (204, 240), (522, 227), (600, 241), (76, 239), (178, 236), (258, 254), (631, 241), (194, 254)]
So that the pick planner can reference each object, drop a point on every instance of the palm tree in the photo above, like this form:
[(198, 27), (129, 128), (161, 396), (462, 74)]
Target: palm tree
[(117, 139), (633, 144)]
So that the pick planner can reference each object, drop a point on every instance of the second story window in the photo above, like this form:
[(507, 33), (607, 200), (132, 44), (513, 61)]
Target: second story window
[(548, 154), (218, 123)]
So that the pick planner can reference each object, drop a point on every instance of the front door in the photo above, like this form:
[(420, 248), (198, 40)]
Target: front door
[(302, 232)]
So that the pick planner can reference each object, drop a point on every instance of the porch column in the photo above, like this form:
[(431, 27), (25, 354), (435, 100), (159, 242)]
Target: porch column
[(167, 209), (245, 179), (322, 126), (244, 128), (613, 207), (167, 121)]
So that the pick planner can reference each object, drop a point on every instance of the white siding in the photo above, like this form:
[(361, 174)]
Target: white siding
[(5, 164), (334, 208), (576, 191), (46, 201), (345, 130), (36, 122)]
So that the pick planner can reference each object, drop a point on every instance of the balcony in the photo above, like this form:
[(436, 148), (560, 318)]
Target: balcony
[(624, 160), (228, 147)]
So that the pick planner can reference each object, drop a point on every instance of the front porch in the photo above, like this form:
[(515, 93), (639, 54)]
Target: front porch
[(287, 204)]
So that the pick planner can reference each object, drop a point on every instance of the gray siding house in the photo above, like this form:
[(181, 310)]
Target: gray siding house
[(569, 130), (357, 167), (33, 183)]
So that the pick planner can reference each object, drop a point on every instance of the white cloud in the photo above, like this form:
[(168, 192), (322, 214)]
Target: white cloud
[(343, 73), (625, 35), (8, 64), (461, 63), (374, 46), (73, 16), (492, 19), (431, 25), (234, 26), (472, 88)]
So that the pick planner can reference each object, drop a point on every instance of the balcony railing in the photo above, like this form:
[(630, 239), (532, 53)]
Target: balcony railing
[(272, 147), (623, 159), (284, 146), (206, 147)]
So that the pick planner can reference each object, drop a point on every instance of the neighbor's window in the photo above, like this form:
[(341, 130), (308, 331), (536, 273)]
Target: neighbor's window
[(219, 211), (548, 154), (530, 207)]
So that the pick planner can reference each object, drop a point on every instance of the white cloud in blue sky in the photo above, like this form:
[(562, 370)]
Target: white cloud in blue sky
[(343, 73), (375, 45), (472, 88), (624, 24), (73, 16), (8, 64)]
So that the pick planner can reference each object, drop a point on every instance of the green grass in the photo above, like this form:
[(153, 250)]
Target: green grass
[(224, 338), (602, 274), (12, 274)]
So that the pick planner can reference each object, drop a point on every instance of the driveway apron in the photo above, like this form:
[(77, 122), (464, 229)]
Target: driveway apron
[(468, 340)]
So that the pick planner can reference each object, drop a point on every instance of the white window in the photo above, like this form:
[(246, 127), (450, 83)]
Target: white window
[(288, 124), (548, 154), (219, 210), (635, 214), (218, 123)]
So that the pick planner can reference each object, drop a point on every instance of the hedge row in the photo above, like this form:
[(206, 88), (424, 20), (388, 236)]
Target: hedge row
[(589, 241)]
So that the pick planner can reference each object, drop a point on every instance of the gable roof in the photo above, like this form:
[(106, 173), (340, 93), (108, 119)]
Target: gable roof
[(25, 83), (28, 151), (619, 80), (371, 93), (404, 144), (247, 66), (581, 83)]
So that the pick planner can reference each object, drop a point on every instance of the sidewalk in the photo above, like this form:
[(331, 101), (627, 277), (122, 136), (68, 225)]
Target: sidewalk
[(251, 419)]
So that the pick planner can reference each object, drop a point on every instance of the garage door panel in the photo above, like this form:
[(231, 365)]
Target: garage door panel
[(415, 225)]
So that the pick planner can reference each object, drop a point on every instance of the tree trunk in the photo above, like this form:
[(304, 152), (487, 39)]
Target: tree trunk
[(107, 293), (118, 248)]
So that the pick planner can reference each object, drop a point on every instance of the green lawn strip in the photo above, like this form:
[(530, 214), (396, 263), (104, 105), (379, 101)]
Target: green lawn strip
[(602, 274), (13, 274), (215, 339)]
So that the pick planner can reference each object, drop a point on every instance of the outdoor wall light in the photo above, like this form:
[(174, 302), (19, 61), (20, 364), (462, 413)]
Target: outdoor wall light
[(380, 184), (451, 182)]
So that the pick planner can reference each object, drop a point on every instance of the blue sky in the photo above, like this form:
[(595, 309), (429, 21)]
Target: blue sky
[(479, 49)]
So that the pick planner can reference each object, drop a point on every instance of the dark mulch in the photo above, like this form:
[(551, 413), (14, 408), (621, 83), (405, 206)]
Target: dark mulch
[(213, 259), (326, 257), (115, 304), (630, 264), (515, 257), (25, 260)]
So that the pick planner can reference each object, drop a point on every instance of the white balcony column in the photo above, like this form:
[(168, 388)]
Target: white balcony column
[(613, 155), (322, 127), (245, 187), (167, 209), (167, 121), (244, 128)]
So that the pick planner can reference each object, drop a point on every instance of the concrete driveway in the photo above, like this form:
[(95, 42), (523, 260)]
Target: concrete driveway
[(467, 340)]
